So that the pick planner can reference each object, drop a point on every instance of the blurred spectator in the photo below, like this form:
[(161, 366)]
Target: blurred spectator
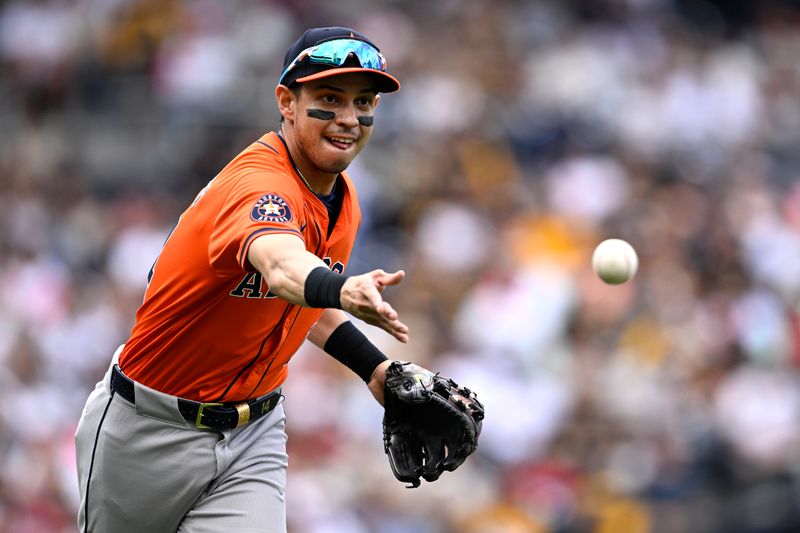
[(525, 133)]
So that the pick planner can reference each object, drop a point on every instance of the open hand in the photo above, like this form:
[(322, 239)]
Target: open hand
[(361, 297)]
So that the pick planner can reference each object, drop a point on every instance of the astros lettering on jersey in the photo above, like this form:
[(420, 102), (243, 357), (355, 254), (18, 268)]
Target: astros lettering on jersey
[(209, 329)]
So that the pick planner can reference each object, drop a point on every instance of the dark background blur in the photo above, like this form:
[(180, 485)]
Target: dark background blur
[(525, 133)]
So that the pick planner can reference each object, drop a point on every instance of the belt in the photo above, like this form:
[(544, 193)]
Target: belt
[(205, 415)]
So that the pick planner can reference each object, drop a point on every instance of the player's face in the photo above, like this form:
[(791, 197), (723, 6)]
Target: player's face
[(331, 145)]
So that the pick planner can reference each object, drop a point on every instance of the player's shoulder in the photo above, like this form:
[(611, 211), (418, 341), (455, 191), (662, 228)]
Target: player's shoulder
[(265, 154), (263, 163)]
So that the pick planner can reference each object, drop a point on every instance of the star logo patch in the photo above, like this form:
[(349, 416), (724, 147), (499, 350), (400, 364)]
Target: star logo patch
[(271, 208)]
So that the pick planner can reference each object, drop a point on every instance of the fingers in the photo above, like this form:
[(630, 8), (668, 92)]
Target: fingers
[(363, 299), (379, 280), (390, 324), (399, 331), (393, 325), (388, 312), (384, 279)]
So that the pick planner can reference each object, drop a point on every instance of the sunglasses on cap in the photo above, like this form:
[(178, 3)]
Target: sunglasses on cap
[(336, 51)]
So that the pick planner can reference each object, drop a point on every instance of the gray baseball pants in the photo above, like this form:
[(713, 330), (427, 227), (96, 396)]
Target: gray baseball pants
[(143, 468)]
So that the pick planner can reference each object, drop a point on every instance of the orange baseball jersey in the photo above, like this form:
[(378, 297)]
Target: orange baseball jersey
[(209, 329)]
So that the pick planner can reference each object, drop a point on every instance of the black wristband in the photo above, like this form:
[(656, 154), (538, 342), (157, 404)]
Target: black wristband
[(352, 348), (323, 288)]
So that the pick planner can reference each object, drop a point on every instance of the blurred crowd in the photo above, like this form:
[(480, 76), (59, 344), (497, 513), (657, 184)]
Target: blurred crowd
[(526, 132)]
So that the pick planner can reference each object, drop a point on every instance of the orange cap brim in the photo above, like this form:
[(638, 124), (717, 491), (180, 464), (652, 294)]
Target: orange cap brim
[(387, 83)]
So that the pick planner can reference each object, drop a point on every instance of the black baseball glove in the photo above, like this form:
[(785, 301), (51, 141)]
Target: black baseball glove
[(430, 423)]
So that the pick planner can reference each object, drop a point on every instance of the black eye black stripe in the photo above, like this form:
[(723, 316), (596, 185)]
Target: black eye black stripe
[(321, 114)]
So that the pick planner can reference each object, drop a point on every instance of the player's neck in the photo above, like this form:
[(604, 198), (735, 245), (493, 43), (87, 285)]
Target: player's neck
[(320, 183)]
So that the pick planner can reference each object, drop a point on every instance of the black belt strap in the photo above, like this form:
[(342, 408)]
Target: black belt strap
[(205, 415)]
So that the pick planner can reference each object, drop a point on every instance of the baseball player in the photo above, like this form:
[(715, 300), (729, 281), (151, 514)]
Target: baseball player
[(186, 430)]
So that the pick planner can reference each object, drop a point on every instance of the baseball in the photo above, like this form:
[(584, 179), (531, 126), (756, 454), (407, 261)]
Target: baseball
[(615, 261)]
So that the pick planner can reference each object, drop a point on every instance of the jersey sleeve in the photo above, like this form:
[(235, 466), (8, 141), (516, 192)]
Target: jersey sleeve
[(258, 203)]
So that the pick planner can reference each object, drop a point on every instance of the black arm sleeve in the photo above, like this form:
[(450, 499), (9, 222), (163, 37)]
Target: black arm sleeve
[(353, 349), (323, 288)]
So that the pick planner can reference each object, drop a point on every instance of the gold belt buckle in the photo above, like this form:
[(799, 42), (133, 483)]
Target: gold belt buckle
[(243, 413), (200, 410)]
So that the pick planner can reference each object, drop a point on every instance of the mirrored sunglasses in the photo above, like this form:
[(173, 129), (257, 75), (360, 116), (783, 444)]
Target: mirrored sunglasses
[(335, 52)]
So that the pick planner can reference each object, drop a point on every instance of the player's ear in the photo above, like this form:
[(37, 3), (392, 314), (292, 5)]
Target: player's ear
[(287, 101), (377, 101)]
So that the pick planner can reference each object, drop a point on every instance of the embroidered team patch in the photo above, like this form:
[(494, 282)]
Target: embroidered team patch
[(271, 208)]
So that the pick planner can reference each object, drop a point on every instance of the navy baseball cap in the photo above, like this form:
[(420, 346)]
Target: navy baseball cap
[(323, 52)]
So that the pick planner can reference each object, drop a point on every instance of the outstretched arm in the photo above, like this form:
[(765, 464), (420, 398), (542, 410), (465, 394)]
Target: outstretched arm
[(293, 274)]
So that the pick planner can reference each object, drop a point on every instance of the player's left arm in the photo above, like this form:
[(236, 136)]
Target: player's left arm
[(335, 334)]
